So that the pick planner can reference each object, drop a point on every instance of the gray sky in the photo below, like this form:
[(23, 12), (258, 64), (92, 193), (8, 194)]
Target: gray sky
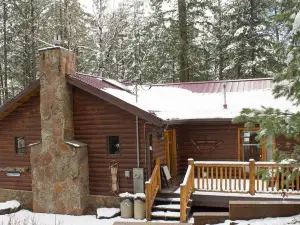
[(88, 4)]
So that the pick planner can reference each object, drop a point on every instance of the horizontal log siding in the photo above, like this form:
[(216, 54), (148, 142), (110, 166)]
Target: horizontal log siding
[(159, 149), (94, 120), (24, 121), (216, 131)]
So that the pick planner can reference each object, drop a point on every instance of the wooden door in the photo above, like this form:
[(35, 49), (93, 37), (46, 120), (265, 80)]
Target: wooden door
[(171, 151)]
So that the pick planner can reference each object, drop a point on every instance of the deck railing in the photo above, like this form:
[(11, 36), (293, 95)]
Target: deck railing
[(186, 189), (152, 187), (248, 177)]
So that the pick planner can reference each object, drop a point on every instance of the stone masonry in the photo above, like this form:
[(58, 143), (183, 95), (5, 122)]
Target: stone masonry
[(59, 164)]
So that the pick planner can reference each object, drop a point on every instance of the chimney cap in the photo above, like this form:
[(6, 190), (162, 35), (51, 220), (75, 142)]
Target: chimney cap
[(53, 47)]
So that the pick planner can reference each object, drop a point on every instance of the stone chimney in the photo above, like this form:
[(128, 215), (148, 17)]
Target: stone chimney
[(59, 164)]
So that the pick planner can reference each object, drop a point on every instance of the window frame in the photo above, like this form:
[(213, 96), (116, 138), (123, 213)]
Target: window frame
[(262, 143), (108, 146), (17, 152), (263, 147)]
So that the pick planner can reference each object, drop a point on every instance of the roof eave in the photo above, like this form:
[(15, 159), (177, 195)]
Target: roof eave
[(18, 99), (116, 101), (184, 121)]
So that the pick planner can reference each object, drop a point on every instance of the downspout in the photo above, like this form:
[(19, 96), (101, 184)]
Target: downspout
[(225, 97), (145, 143), (137, 130)]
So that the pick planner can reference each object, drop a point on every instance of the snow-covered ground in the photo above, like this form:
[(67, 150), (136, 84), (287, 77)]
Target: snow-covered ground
[(25, 217)]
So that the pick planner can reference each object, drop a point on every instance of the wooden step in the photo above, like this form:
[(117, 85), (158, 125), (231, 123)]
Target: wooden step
[(168, 207), (168, 200), (168, 215), (168, 195)]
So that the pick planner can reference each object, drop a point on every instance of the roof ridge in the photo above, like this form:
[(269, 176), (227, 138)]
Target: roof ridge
[(215, 81)]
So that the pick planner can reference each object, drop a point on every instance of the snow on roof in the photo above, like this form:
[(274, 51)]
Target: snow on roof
[(116, 83), (172, 103)]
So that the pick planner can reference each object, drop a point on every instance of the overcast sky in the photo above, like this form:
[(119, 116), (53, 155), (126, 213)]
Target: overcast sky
[(88, 4)]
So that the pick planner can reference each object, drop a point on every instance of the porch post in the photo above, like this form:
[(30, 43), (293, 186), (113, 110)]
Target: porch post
[(157, 162), (191, 163), (252, 176)]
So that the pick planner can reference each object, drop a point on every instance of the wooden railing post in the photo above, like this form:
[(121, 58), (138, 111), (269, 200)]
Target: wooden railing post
[(183, 201), (252, 176), (148, 200), (157, 162), (191, 163)]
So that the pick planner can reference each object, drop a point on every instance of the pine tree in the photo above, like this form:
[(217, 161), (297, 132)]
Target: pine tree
[(276, 122)]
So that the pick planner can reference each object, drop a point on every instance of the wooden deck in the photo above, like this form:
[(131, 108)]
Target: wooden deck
[(221, 199), (215, 184)]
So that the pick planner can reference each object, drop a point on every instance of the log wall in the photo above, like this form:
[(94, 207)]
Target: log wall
[(94, 120), (25, 122), (226, 132)]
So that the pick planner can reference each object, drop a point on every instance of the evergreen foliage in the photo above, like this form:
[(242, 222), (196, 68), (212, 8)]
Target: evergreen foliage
[(274, 122), (146, 41)]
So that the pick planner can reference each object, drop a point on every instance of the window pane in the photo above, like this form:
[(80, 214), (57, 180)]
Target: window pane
[(20, 144), (251, 148), (251, 152), (113, 145)]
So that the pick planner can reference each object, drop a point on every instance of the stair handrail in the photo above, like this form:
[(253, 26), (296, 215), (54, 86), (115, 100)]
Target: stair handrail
[(187, 187), (153, 185)]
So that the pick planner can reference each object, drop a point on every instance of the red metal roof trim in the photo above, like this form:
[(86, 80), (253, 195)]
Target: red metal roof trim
[(93, 81), (217, 86)]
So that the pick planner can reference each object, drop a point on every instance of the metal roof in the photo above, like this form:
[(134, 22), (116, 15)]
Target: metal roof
[(218, 86), (95, 85), (93, 81)]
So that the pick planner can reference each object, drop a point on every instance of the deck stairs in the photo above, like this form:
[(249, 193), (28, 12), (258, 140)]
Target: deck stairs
[(167, 207)]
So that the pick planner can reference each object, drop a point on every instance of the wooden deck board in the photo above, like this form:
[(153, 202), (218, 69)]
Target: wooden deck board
[(219, 199)]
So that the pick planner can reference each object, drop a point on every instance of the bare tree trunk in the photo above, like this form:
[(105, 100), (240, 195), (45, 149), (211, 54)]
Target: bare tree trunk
[(220, 41), (1, 87), (5, 49), (26, 54), (61, 23), (100, 6), (183, 53), (276, 27), (33, 44), (252, 42)]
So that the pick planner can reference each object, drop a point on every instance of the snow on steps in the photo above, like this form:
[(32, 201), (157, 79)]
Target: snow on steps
[(167, 207), (165, 215), (170, 200)]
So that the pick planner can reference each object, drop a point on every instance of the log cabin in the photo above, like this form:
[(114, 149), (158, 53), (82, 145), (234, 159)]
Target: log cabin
[(60, 137)]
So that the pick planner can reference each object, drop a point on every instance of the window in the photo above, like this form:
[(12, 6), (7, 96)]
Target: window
[(251, 148), (113, 145), (20, 145)]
